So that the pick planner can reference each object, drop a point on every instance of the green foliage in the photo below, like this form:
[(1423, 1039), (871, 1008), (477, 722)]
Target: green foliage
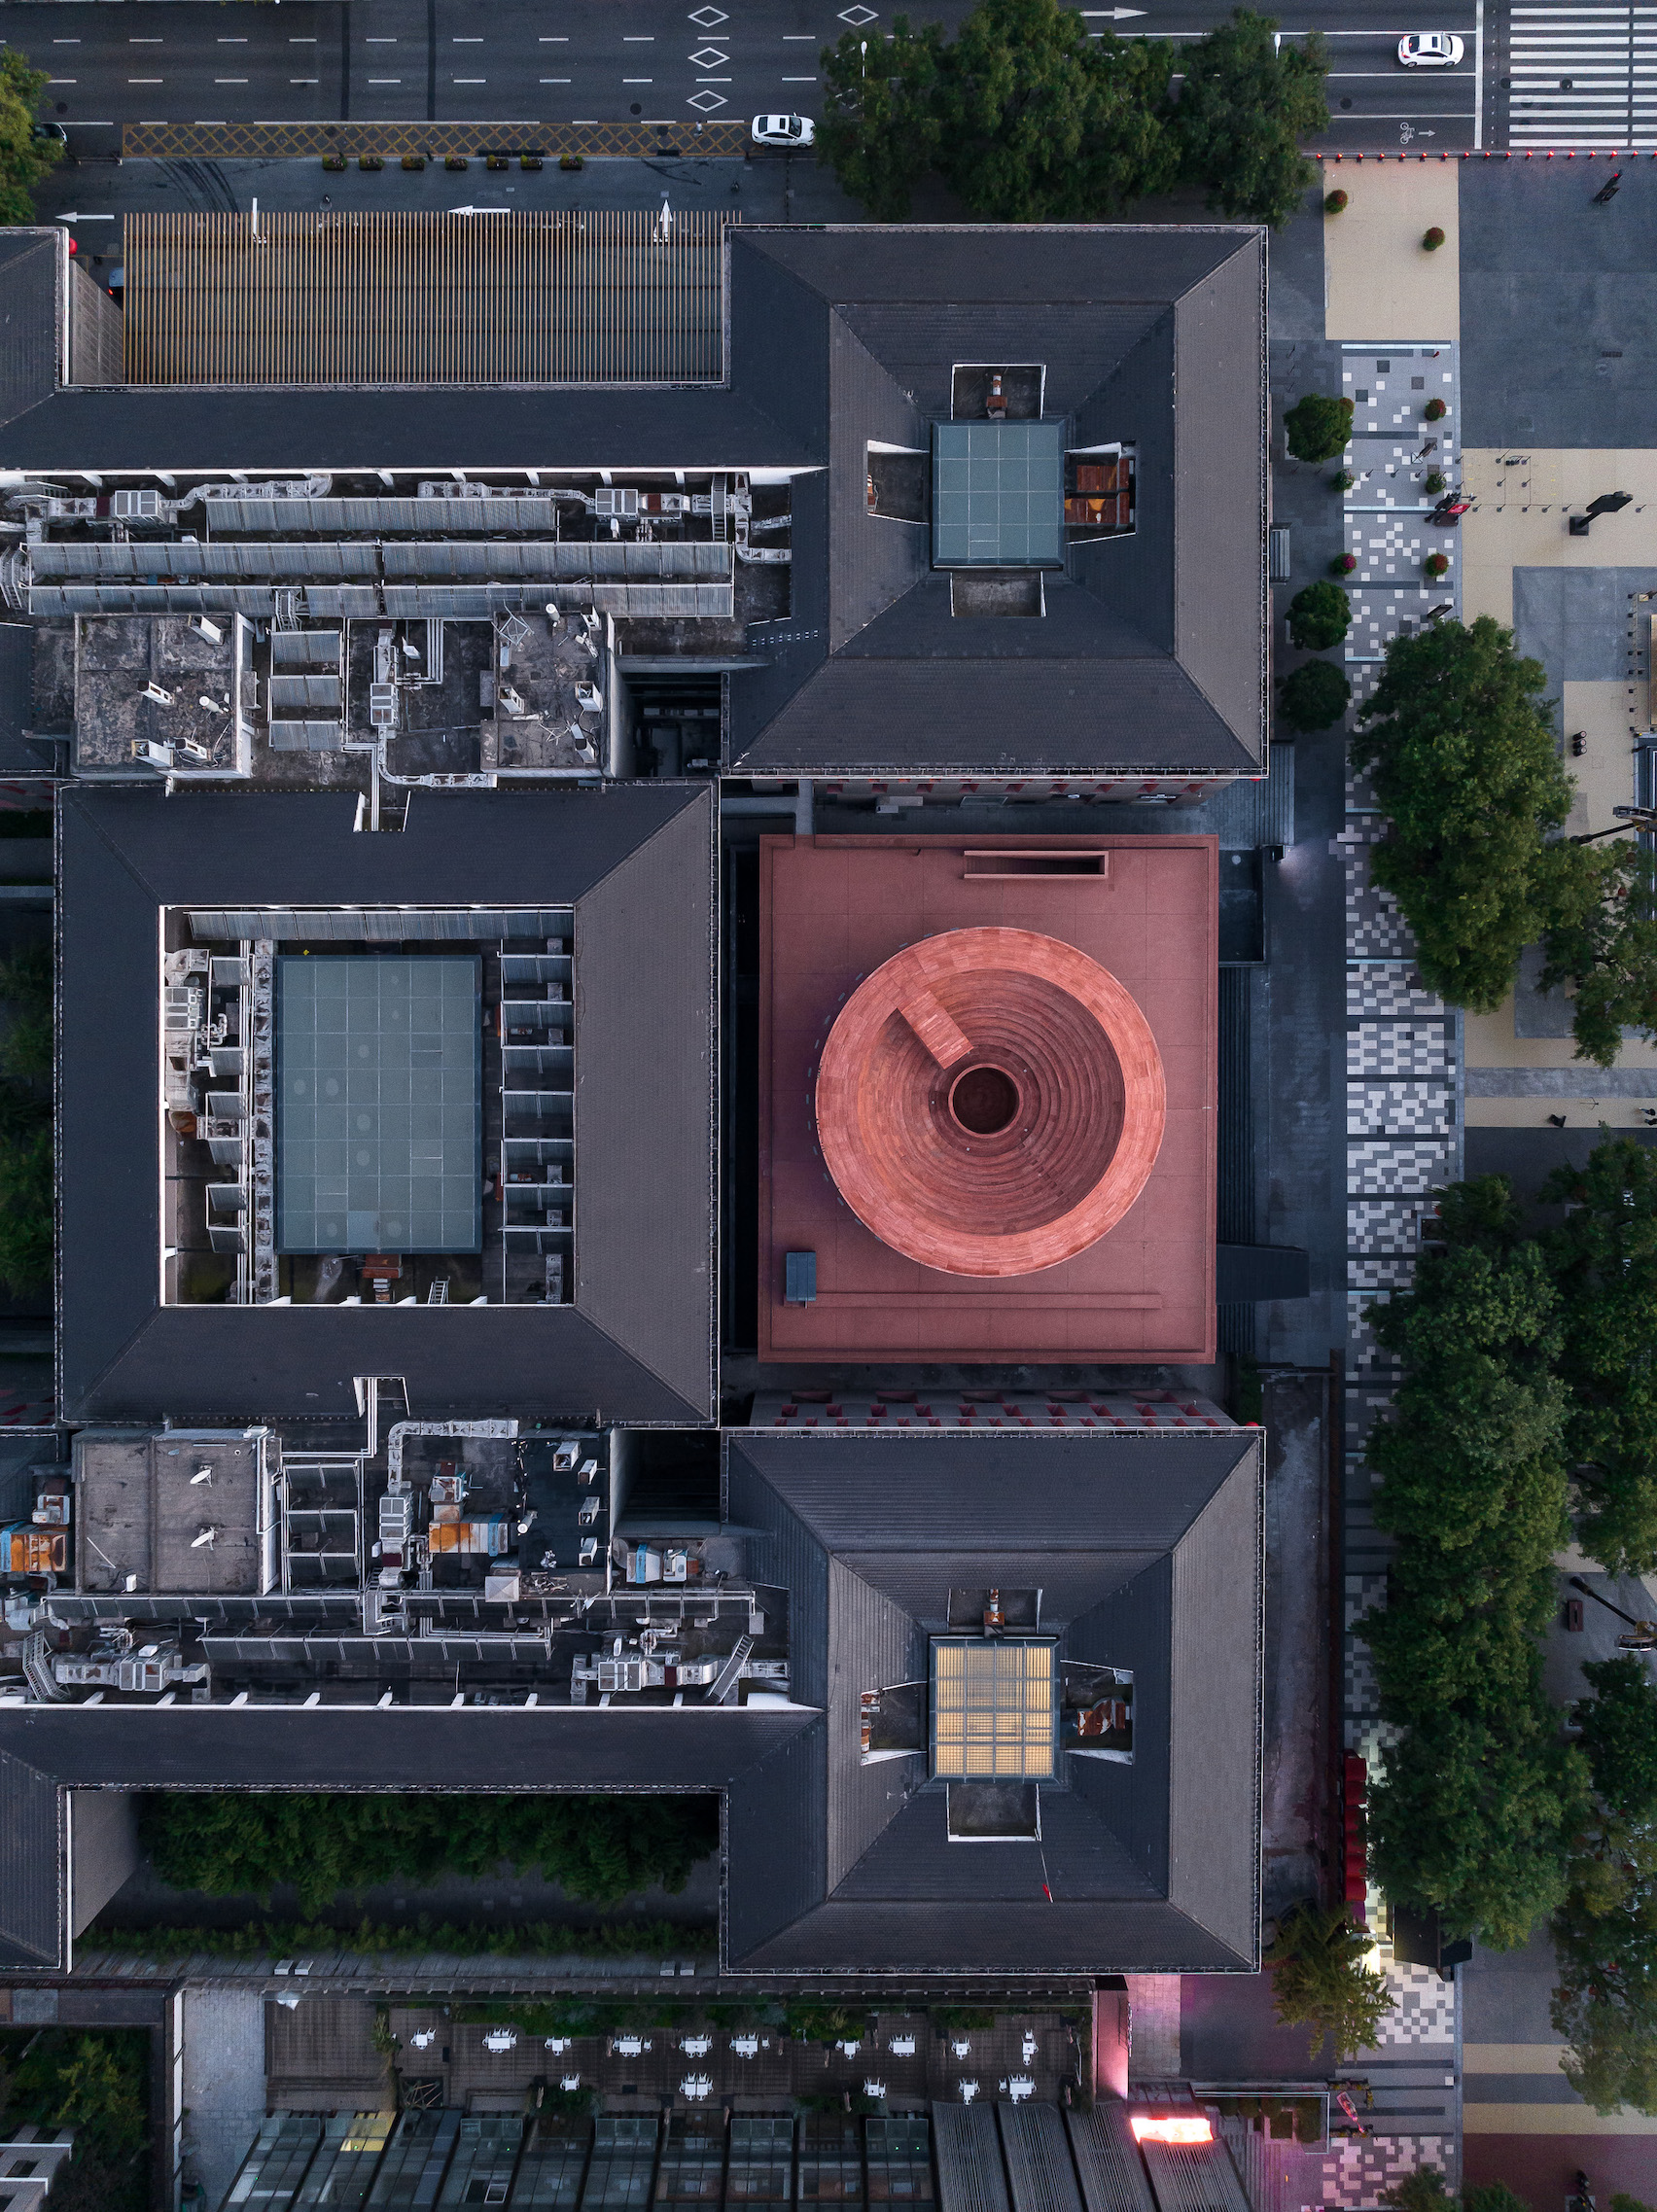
[(1030, 119), (1420, 2192), (1321, 1981), (1042, 122), (98, 2083), (960, 2019), (1478, 1795), (1318, 427), (24, 159), (598, 1848), (1494, 2197), (1242, 110), (25, 985), (1622, 2201), (1606, 1932), (880, 127), (1464, 761), (1602, 948), (286, 1939), (1603, 1260), (1313, 695), (817, 2020), (1318, 616), (26, 1209), (25, 1119)]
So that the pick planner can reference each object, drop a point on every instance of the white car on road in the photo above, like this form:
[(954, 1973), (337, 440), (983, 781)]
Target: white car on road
[(1430, 49), (783, 130)]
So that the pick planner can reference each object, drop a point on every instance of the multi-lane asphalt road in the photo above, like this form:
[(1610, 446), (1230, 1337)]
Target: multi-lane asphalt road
[(554, 62), (1534, 75)]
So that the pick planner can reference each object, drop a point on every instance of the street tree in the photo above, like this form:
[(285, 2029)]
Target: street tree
[(1318, 427), (1322, 1979), (24, 159), (1318, 616), (1475, 1803), (1040, 122), (1313, 695), (880, 126), (1245, 107), (1602, 948), (1465, 763), (1605, 1931), (1602, 1257)]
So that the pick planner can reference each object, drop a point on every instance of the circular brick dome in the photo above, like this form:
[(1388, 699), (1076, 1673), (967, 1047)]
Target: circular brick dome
[(990, 1101)]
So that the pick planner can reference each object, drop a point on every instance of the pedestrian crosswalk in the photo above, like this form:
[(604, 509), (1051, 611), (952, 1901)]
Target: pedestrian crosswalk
[(1582, 77)]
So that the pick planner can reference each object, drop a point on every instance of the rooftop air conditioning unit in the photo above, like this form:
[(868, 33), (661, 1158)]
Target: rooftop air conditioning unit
[(382, 706), (614, 500), (135, 507), (204, 628), (158, 692), (151, 756)]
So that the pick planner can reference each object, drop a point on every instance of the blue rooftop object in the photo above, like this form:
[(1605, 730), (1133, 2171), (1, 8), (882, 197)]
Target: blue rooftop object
[(998, 495)]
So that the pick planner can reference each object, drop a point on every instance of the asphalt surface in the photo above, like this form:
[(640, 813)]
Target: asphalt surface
[(563, 61)]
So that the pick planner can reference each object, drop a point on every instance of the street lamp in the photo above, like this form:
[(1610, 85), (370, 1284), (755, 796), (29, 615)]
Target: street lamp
[(1640, 818)]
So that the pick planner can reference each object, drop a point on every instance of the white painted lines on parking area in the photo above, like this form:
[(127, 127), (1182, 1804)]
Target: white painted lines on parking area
[(1583, 75)]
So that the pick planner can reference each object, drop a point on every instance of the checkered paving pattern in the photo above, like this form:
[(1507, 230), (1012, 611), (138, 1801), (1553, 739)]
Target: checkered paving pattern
[(1373, 1275), (1392, 991), (1389, 392), (1365, 1355), (1375, 929), (1424, 2008), (1385, 1225), (1359, 792), (1365, 1406), (1355, 2171), (1379, 1167), (1390, 549), (1398, 1109), (1398, 1049), (1393, 474)]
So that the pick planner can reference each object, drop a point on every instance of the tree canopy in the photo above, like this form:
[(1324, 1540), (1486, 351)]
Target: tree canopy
[(25, 1120), (1465, 760), (1318, 427), (24, 159), (1030, 115), (1477, 1796), (1322, 1979), (1601, 946), (1318, 616), (598, 1848), (880, 127), (1244, 108), (1313, 695), (1606, 1930), (1602, 1257)]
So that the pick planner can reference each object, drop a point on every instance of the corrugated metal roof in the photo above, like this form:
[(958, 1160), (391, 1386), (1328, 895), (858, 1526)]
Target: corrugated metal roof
[(1194, 2177), (1038, 2159), (28, 319), (32, 1844), (1107, 2159), (969, 2173)]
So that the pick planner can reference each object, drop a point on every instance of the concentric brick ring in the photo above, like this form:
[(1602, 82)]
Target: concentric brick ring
[(990, 1101)]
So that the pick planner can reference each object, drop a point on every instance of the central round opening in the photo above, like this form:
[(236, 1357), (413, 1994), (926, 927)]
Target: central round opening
[(983, 1101)]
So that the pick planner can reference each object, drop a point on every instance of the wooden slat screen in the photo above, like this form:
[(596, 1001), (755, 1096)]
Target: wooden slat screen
[(344, 299)]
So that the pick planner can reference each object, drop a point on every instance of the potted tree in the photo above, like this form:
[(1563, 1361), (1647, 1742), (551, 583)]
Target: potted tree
[(1435, 565), (1432, 239), (1333, 202)]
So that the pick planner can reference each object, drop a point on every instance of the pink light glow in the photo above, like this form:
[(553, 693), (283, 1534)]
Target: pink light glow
[(1189, 2129)]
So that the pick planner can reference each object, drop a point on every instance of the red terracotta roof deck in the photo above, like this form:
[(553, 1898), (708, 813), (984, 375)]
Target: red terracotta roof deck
[(834, 912), (990, 1101)]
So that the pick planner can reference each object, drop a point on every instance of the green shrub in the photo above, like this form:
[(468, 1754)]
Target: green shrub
[(1318, 616), (1321, 1981), (1313, 697), (1318, 428)]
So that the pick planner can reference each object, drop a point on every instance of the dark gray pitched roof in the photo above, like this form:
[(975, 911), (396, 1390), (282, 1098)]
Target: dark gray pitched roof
[(46, 1750), (28, 320), (1158, 662), (637, 1343), (1153, 1865)]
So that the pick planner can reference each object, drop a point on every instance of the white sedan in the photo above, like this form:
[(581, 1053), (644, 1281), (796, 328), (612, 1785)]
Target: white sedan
[(783, 130), (1430, 49)]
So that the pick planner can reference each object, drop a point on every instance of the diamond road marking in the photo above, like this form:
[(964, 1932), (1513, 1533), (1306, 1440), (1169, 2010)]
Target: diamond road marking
[(709, 57), (857, 16), (708, 16), (707, 101)]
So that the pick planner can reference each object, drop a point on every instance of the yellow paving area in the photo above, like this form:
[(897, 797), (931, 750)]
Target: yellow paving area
[(1511, 2058), (257, 141), (1379, 281), (1569, 2119), (1523, 505)]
